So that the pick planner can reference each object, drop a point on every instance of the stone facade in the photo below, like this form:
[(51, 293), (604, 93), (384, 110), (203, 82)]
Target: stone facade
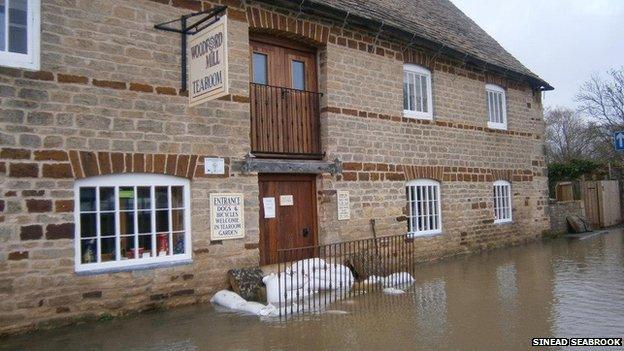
[(107, 101), (559, 210)]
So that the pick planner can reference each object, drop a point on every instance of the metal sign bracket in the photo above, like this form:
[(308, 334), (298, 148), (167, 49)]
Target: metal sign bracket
[(200, 21)]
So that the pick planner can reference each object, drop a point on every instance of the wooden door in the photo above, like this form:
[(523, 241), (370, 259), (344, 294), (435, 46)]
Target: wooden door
[(284, 103), (295, 221), (589, 191)]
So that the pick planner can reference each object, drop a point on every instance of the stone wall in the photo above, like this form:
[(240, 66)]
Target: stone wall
[(107, 100), (559, 210)]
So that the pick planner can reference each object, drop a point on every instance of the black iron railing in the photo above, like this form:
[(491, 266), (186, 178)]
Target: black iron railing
[(310, 278)]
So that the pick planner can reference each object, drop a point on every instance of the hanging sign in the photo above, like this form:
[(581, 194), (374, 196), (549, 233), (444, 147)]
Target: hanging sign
[(344, 205), (227, 216), (208, 63)]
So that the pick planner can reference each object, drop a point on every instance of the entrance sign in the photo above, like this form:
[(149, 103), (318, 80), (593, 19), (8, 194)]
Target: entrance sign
[(618, 139), (227, 216), (208, 63), (344, 205)]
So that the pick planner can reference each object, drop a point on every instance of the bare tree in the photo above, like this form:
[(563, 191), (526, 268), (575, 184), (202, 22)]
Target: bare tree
[(603, 101), (567, 135)]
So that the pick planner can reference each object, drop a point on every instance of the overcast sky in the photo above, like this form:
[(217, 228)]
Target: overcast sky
[(563, 41)]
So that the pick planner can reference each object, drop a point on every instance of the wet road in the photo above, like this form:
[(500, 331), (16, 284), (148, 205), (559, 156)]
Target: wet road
[(490, 301)]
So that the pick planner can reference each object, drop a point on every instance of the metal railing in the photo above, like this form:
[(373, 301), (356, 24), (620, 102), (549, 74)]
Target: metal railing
[(311, 278), (284, 121)]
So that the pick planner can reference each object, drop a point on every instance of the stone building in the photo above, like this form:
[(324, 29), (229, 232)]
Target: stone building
[(407, 108)]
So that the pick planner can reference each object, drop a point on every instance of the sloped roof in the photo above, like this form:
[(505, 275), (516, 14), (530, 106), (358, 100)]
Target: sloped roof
[(437, 21)]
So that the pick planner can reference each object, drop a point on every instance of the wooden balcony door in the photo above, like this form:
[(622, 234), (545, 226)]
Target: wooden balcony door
[(284, 100), (282, 66)]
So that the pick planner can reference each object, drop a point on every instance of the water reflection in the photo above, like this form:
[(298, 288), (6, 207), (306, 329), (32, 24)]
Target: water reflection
[(495, 300)]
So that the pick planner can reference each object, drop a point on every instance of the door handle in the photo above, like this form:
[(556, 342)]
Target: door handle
[(306, 232)]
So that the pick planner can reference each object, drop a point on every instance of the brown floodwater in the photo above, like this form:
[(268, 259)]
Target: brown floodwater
[(496, 300)]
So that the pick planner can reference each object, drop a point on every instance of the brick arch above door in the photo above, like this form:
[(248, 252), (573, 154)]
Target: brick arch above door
[(261, 20)]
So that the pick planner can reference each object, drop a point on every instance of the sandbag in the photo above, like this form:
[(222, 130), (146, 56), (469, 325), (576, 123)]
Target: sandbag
[(395, 279), (307, 266), (227, 299), (393, 291)]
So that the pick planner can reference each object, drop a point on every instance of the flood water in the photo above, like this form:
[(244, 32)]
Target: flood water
[(495, 300)]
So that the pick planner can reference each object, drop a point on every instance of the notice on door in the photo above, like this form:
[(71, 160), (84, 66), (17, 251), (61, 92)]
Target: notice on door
[(286, 200), (344, 205), (269, 207), (227, 216), (208, 63)]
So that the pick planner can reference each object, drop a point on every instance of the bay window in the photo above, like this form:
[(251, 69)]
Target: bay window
[(129, 220)]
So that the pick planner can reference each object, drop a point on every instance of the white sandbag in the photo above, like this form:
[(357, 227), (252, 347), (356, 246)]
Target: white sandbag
[(276, 293), (394, 279), (373, 279), (227, 299), (307, 266), (252, 307), (393, 291)]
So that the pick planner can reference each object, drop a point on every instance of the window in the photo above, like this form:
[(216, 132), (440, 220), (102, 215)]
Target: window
[(19, 33), (417, 101), (497, 108), (424, 211), (502, 201), (259, 68), (130, 220), (298, 74)]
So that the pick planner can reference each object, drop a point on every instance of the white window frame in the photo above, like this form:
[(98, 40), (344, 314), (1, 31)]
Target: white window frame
[(503, 201), (494, 121), (31, 60), (123, 180), (419, 71), (420, 185)]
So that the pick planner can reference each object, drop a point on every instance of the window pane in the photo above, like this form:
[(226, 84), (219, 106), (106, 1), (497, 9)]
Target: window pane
[(423, 83), (87, 199), (2, 25), (162, 221), (162, 197), (500, 108), (418, 93), (410, 88), (107, 199), (177, 220), (17, 26), (88, 250), (145, 221), (107, 224), (108, 249), (126, 244), (178, 243), (162, 244), (177, 197), (88, 225), (298, 75), (144, 197), (405, 91), (126, 198), (126, 222), (145, 246), (259, 67)]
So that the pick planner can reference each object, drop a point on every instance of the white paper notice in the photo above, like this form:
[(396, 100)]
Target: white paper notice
[(344, 206), (269, 207), (286, 200)]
